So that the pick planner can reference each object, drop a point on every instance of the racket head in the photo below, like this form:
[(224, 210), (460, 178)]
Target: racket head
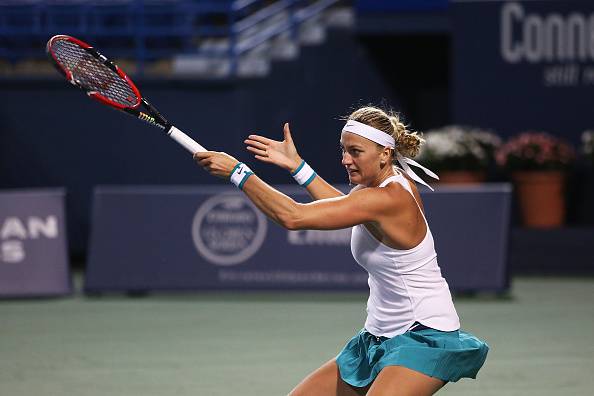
[(92, 72)]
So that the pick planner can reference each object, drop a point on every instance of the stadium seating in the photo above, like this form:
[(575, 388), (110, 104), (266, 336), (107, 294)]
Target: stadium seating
[(150, 30)]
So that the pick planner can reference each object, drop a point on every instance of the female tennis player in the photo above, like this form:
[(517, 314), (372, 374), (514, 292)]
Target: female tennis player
[(412, 343)]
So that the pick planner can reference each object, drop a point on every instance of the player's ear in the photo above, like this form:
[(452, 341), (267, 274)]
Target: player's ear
[(385, 156)]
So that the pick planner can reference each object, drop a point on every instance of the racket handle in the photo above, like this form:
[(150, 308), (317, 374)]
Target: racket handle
[(187, 142)]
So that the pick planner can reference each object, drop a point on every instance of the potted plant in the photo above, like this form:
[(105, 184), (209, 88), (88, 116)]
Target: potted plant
[(585, 209), (459, 154), (538, 162)]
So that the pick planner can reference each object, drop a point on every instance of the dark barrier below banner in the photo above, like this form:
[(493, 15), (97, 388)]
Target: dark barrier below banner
[(205, 238), (33, 259)]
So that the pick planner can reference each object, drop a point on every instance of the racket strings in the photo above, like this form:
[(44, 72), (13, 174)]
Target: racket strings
[(92, 75)]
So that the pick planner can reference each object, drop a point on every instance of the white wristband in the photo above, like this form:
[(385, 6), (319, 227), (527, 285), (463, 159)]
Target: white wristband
[(240, 174), (304, 174)]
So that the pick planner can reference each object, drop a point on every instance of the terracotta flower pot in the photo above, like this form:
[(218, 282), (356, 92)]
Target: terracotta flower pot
[(541, 195), (462, 177)]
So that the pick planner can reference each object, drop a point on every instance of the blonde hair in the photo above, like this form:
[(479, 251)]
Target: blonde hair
[(408, 143)]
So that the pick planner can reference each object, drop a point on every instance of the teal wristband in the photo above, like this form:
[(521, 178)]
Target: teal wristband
[(247, 176), (239, 175), (313, 176), (298, 168), (304, 174)]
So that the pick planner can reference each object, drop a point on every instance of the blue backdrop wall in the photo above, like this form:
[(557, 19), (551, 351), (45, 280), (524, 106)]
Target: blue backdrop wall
[(524, 65)]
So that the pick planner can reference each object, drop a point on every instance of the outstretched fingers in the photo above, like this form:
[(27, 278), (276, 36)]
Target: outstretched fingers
[(263, 158), (287, 132), (258, 151), (259, 146), (256, 144), (260, 139)]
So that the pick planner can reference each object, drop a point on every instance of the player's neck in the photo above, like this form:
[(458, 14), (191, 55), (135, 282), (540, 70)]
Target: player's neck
[(385, 173)]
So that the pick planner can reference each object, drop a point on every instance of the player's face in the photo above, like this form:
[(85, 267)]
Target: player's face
[(361, 158)]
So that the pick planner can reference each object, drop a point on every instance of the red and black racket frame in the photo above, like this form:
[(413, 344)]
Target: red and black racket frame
[(151, 116)]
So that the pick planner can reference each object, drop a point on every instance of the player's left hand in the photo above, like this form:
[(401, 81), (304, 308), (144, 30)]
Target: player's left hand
[(216, 163)]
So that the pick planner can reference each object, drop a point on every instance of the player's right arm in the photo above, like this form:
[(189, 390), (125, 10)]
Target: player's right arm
[(284, 154)]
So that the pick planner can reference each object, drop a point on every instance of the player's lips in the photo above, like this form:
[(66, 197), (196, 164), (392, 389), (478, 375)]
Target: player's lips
[(351, 171)]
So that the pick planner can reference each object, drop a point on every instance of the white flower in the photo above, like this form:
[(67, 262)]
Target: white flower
[(477, 150), (441, 145), (455, 141), (485, 137)]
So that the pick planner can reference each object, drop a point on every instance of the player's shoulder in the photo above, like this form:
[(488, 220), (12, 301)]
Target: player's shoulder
[(395, 191), (392, 194)]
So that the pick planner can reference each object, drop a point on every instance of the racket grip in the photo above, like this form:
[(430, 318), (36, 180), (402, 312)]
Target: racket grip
[(187, 142)]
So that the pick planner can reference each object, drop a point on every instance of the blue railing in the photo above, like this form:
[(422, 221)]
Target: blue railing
[(147, 30)]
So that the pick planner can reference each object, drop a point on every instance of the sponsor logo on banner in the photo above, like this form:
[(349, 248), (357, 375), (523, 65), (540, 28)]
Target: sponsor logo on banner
[(228, 229), (16, 233), (563, 43)]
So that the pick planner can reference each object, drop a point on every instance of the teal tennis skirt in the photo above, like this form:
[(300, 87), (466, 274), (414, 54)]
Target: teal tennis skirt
[(447, 355)]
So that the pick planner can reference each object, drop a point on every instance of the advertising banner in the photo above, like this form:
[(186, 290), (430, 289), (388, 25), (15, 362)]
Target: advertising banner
[(33, 258), (524, 65), (186, 238)]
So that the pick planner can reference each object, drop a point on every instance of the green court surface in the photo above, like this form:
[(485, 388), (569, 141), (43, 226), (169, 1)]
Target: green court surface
[(263, 344)]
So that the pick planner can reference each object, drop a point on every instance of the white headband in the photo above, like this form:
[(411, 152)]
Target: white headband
[(368, 132), (382, 138)]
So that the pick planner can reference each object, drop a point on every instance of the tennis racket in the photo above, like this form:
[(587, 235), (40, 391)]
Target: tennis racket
[(105, 82)]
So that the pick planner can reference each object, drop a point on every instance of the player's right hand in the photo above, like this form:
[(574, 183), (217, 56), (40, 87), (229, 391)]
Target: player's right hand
[(216, 163), (283, 154)]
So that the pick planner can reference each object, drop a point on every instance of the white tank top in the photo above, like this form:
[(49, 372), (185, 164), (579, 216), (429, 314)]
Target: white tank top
[(405, 286)]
